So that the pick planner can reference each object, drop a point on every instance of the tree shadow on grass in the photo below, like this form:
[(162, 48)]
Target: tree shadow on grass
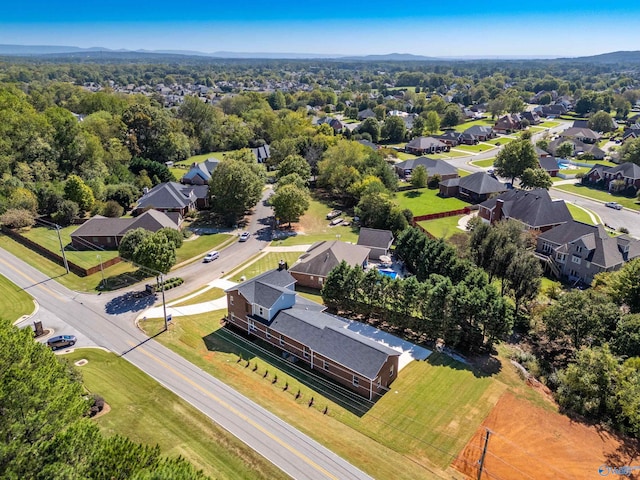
[(481, 366), (230, 340), (413, 194)]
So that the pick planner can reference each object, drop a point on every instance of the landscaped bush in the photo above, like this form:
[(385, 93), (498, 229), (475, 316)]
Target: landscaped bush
[(18, 218)]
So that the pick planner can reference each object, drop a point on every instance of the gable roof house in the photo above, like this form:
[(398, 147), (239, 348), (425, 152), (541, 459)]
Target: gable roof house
[(532, 117), (474, 188), (575, 251), (481, 132), (367, 113), (422, 145), (106, 233), (173, 197), (377, 241), (314, 265), (533, 208), (508, 123), (579, 147), (433, 166), (626, 174), (268, 308), (450, 137), (262, 153), (549, 165), (551, 110), (585, 135), (200, 173)]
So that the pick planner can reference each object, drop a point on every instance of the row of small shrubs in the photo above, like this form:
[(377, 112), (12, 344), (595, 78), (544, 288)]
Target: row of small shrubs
[(171, 283)]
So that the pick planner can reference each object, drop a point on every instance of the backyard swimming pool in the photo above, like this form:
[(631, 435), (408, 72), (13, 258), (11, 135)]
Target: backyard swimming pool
[(388, 273)]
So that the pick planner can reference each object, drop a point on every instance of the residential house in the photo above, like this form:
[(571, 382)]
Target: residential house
[(508, 123), (377, 241), (268, 308), (200, 173), (549, 165), (533, 208), (450, 137), (367, 113), (551, 110), (575, 251), (625, 175), (473, 188), (262, 153), (532, 117), (367, 143), (481, 132), (423, 145), (433, 166), (106, 233), (174, 198), (314, 265), (541, 153), (585, 135), (579, 147), (631, 132)]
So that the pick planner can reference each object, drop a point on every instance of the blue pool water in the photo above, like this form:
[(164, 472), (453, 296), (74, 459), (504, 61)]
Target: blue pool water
[(563, 165), (388, 273)]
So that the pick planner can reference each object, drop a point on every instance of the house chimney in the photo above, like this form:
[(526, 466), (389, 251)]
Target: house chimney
[(497, 211)]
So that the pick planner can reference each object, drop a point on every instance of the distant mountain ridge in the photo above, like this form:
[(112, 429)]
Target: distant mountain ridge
[(62, 50)]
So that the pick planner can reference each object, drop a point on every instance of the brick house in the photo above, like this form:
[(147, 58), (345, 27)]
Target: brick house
[(268, 308), (474, 188), (423, 145), (433, 166), (533, 208), (627, 172)]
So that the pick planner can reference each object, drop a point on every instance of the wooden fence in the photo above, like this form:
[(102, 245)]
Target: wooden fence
[(433, 216)]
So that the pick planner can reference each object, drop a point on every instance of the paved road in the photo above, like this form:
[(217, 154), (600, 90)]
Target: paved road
[(107, 321)]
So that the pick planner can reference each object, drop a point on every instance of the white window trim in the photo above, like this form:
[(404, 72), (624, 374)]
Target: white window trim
[(356, 381)]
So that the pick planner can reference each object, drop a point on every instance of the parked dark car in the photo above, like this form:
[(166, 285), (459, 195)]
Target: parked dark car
[(61, 341)]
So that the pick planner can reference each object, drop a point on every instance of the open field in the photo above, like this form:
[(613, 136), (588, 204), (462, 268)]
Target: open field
[(264, 264), (442, 227), (529, 442), (15, 301), (146, 412), (314, 227), (424, 201), (114, 275), (418, 427), (599, 195)]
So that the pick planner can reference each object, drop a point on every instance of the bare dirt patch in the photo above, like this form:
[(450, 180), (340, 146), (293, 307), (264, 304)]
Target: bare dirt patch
[(528, 442)]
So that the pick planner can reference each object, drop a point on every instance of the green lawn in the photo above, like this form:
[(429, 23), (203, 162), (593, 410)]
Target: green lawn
[(430, 413), (549, 124), (484, 122), (463, 173), (445, 155), (500, 140), (48, 238), (599, 195), (264, 264), (405, 156), (314, 227), (484, 163), (200, 246), (579, 214), (14, 302), (599, 162), (442, 227), (424, 201), (146, 412), (117, 274), (474, 148), (206, 296)]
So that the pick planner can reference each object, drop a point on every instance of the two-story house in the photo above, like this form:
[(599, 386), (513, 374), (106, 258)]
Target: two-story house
[(267, 307), (576, 251)]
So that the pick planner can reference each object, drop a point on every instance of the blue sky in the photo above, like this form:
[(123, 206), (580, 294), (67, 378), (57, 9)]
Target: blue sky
[(442, 28)]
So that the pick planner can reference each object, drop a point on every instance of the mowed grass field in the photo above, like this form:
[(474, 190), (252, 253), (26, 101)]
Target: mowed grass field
[(580, 214), (146, 412), (424, 201), (484, 163), (263, 264), (14, 301), (314, 227), (442, 227), (418, 427)]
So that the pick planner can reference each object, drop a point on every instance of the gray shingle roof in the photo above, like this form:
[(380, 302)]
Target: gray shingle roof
[(99, 226), (266, 288), (533, 208), (425, 143), (433, 166), (549, 164), (481, 183), (328, 336), (581, 133), (482, 130), (202, 169), (373, 237), (322, 257), (168, 195)]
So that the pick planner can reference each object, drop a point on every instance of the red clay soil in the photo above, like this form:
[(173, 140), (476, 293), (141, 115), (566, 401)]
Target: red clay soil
[(528, 442)]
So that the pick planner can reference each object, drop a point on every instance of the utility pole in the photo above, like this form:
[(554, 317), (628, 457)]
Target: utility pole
[(484, 452), (101, 271), (164, 305), (64, 257)]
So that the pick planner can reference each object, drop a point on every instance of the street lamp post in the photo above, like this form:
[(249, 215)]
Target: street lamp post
[(164, 305)]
